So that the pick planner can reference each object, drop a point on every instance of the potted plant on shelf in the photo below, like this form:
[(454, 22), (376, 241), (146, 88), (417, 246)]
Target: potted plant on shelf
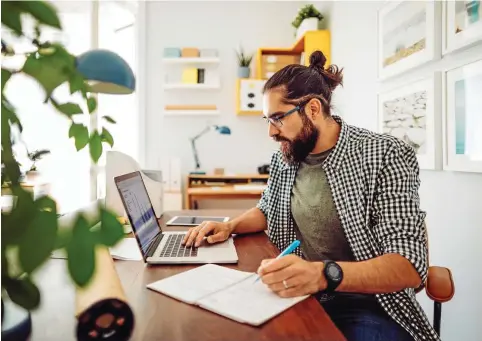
[(307, 19), (244, 62), (32, 174), (30, 228)]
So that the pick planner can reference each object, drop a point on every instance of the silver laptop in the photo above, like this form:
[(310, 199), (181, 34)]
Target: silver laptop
[(163, 247)]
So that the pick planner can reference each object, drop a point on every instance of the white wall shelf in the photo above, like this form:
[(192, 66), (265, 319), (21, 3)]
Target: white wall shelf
[(193, 60), (190, 112), (200, 86)]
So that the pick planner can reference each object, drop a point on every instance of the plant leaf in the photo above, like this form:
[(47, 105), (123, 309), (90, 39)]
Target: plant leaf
[(50, 69), (76, 82), (39, 239), (10, 115), (23, 292), (95, 146), (107, 137), (109, 119), (20, 217), (80, 134), (111, 230), (69, 109), (91, 104), (37, 155), (42, 11), (81, 252), (11, 16)]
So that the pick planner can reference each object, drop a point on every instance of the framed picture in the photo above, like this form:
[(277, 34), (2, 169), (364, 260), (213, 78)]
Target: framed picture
[(412, 113), (409, 35), (463, 118), (463, 24)]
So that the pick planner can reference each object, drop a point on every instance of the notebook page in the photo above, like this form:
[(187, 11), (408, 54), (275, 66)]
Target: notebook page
[(192, 285), (248, 302)]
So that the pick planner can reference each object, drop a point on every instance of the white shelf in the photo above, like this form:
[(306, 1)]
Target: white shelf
[(191, 86), (193, 60), (190, 112)]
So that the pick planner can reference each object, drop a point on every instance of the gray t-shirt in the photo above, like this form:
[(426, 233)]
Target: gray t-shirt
[(316, 220)]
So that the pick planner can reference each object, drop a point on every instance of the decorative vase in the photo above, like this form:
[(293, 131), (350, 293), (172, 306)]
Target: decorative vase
[(308, 24), (32, 176), (244, 72), (16, 322)]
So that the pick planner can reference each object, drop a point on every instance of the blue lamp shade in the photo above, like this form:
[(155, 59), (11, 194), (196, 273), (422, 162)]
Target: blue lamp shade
[(106, 72), (223, 130)]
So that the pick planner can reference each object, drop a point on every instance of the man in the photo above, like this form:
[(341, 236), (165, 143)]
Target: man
[(351, 197)]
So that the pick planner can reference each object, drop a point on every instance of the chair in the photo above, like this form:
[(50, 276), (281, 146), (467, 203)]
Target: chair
[(439, 287)]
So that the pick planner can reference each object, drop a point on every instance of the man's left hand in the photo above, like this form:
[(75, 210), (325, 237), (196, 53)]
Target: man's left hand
[(292, 276)]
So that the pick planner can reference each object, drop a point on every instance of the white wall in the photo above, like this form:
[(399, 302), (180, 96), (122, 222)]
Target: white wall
[(224, 26), (221, 25), (452, 199)]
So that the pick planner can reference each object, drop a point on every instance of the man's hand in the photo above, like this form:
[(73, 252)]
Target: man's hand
[(217, 232), (292, 276)]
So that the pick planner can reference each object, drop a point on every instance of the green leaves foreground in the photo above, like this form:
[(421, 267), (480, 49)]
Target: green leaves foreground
[(33, 237), (31, 231)]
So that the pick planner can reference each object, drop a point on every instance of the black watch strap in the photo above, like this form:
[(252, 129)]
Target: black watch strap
[(333, 275)]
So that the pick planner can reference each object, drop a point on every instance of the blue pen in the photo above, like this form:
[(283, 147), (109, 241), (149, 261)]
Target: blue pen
[(286, 251)]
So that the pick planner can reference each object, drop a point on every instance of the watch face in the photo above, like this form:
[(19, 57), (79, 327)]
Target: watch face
[(334, 272)]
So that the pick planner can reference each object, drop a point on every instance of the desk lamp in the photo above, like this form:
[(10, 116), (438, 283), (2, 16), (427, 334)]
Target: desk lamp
[(224, 130)]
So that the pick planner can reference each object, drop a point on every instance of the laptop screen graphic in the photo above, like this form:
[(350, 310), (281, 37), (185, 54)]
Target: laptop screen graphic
[(139, 208)]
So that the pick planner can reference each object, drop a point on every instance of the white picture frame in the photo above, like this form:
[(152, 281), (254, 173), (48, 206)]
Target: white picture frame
[(462, 130), (409, 35), (461, 29), (412, 113)]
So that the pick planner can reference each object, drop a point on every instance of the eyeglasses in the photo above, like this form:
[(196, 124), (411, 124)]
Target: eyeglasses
[(276, 121)]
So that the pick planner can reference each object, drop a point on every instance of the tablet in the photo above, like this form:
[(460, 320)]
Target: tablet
[(193, 220)]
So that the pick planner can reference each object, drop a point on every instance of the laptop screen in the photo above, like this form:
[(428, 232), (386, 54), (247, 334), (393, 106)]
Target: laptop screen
[(139, 208)]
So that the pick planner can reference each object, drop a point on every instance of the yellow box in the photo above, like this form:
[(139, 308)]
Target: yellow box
[(189, 76)]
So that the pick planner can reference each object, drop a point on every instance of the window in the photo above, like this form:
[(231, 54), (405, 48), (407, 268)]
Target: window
[(65, 170), (73, 179), (118, 33)]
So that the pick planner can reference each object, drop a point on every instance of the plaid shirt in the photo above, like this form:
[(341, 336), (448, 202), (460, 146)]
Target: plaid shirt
[(374, 180)]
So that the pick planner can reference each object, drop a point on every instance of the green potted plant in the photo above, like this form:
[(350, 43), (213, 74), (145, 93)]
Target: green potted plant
[(35, 156), (307, 19), (30, 229), (244, 62)]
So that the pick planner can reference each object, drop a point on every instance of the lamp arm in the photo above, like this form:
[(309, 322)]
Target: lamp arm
[(205, 130), (194, 152)]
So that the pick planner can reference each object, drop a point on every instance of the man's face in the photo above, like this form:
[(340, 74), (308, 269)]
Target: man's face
[(296, 132)]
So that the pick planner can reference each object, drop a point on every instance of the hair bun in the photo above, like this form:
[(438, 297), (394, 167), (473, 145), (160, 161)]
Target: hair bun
[(318, 60)]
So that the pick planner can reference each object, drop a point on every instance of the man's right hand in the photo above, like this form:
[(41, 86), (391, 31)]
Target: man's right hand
[(215, 231)]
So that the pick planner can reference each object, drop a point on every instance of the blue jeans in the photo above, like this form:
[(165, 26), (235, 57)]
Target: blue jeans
[(361, 318)]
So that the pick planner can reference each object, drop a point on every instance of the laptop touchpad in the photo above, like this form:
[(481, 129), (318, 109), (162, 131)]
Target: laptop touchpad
[(222, 245)]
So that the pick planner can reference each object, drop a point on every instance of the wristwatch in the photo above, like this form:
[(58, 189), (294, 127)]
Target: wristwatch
[(333, 274)]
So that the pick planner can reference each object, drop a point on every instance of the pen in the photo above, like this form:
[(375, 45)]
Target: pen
[(286, 251)]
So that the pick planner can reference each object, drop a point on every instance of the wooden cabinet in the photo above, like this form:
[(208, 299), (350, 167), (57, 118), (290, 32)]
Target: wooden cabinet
[(271, 59)]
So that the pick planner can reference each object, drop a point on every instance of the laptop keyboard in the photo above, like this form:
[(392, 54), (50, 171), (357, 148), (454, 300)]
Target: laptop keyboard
[(174, 248)]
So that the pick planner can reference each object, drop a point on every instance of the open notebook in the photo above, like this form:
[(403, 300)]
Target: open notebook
[(227, 292)]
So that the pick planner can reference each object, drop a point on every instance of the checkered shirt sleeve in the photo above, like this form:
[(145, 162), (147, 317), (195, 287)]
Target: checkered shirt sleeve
[(263, 203), (399, 222)]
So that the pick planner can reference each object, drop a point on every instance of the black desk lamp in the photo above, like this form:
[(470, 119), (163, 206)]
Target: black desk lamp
[(220, 129)]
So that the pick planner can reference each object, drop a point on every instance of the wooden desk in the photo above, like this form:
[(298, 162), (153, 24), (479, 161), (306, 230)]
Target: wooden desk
[(158, 317), (200, 187)]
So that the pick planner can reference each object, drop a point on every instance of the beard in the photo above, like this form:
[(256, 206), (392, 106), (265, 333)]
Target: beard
[(297, 150)]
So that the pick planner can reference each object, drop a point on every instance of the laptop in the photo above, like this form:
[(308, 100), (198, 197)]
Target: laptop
[(164, 247)]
